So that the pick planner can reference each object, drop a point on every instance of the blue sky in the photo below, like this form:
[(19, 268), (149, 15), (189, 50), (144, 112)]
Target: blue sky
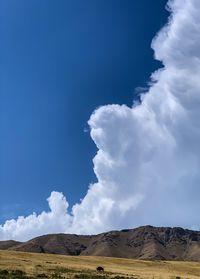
[(70, 125), (59, 60)]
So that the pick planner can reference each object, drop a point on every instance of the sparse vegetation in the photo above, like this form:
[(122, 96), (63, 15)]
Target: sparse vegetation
[(89, 276), (19, 265), (12, 274), (18, 274)]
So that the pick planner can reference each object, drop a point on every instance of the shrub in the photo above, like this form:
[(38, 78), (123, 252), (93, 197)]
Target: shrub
[(88, 276), (41, 275)]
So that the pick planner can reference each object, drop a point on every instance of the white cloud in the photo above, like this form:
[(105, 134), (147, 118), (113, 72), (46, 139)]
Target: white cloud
[(56, 220), (148, 158)]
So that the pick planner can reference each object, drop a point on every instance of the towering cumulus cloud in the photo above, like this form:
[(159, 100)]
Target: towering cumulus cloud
[(148, 159)]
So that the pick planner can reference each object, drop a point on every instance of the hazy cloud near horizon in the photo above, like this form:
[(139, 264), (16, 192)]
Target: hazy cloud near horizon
[(148, 158)]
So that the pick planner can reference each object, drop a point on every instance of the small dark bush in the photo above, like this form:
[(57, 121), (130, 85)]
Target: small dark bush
[(56, 276), (18, 273), (4, 272), (41, 275), (13, 274), (123, 277), (89, 276)]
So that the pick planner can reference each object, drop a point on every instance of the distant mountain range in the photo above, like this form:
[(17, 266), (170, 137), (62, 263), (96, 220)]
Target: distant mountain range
[(147, 242)]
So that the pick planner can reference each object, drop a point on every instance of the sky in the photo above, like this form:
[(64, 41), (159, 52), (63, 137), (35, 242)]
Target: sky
[(59, 62), (99, 107)]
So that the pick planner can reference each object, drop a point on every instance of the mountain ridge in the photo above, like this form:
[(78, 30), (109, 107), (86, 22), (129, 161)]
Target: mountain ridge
[(146, 242)]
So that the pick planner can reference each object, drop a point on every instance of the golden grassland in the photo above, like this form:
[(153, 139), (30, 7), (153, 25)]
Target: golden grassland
[(68, 266)]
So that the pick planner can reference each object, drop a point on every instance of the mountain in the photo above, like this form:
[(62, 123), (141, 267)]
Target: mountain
[(4, 245), (145, 242)]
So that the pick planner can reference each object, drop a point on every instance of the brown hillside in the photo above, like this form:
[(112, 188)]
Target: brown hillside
[(4, 245), (141, 243)]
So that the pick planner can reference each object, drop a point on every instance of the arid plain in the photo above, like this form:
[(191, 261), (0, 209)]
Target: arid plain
[(70, 266)]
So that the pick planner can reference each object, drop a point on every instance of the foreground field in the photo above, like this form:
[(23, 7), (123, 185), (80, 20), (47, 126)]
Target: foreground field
[(78, 267)]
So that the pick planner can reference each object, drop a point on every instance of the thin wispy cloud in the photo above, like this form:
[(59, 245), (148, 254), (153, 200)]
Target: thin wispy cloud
[(147, 164)]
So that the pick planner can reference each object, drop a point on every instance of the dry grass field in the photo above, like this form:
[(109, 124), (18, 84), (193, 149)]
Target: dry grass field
[(57, 266)]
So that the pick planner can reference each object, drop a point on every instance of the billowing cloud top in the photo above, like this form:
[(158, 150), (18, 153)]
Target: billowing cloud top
[(148, 158)]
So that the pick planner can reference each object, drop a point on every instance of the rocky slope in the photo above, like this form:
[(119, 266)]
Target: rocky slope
[(4, 245), (141, 243)]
